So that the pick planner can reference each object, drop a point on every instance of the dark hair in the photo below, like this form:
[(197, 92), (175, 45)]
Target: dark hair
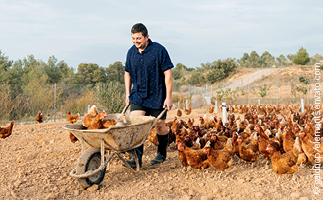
[(139, 28)]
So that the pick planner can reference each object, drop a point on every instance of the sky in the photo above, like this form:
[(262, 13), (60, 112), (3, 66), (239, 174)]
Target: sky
[(193, 32)]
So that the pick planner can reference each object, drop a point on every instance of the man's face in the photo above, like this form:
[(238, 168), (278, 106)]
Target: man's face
[(139, 40)]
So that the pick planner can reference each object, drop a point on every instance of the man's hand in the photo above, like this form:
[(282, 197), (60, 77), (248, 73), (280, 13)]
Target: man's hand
[(127, 100), (168, 103)]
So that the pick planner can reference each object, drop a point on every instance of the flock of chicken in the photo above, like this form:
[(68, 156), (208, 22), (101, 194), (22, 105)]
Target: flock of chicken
[(279, 132), (91, 120), (6, 131)]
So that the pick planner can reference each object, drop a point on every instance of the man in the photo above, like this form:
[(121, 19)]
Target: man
[(148, 69)]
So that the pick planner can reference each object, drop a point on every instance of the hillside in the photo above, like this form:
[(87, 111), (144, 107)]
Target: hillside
[(280, 82)]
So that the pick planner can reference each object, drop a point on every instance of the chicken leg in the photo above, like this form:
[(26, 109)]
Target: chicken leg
[(293, 177), (221, 174)]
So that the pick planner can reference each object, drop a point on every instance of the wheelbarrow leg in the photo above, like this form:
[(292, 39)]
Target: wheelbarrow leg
[(133, 154), (109, 153)]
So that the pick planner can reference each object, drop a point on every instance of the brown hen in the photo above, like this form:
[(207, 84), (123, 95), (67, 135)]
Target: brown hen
[(6, 131), (39, 117)]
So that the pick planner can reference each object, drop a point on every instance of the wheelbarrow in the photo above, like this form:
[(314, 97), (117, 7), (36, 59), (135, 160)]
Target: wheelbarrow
[(91, 166)]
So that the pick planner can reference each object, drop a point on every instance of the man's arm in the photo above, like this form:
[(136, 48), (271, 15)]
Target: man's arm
[(127, 82), (169, 88)]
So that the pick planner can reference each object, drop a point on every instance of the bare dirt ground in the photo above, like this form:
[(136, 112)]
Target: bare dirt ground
[(36, 160)]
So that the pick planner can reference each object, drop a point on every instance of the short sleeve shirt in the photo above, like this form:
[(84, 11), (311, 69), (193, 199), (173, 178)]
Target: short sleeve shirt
[(146, 71)]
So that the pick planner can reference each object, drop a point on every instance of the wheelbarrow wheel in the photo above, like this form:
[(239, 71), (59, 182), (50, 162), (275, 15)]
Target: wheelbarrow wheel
[(90, 160)]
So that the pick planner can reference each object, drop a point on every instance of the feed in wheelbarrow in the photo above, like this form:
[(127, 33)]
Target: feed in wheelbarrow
[(109, 122)]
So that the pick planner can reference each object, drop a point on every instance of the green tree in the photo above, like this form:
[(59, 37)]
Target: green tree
[(245, 57), (221, 69), (179, 71), (206, 66), (196, 78), (302, 57), (254, 57), (38, 95), (190, 69), (253, 61), (303, 87), (281, 60), (5, 65), (111, 95), (55, 70), (262, 91), (90, 73), (199, 69), (227, 94), (244, 60), (115, 72), (267, 59), (290, 57), (316, 58), (215, 75), (29, 63)]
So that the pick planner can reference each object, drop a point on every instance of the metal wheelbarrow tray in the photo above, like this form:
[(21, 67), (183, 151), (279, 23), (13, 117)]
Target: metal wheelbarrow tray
[(91, 166)]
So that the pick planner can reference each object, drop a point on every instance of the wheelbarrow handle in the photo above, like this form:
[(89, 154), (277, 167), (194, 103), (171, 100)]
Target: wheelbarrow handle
[(125, 109), (124, 115)]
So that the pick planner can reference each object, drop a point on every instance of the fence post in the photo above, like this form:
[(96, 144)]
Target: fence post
[(224, 110), (55, 102), (258, 101), (206, 90), (302, 103), (88, 108), (308, 94), (216, 106), (211, 91), (186, 104)]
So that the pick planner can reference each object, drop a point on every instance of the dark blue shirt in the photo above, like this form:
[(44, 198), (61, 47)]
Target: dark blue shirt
[(146, 71)]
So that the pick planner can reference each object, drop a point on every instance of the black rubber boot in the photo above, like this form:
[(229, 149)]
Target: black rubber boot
[(161, 149), (139, 152)]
